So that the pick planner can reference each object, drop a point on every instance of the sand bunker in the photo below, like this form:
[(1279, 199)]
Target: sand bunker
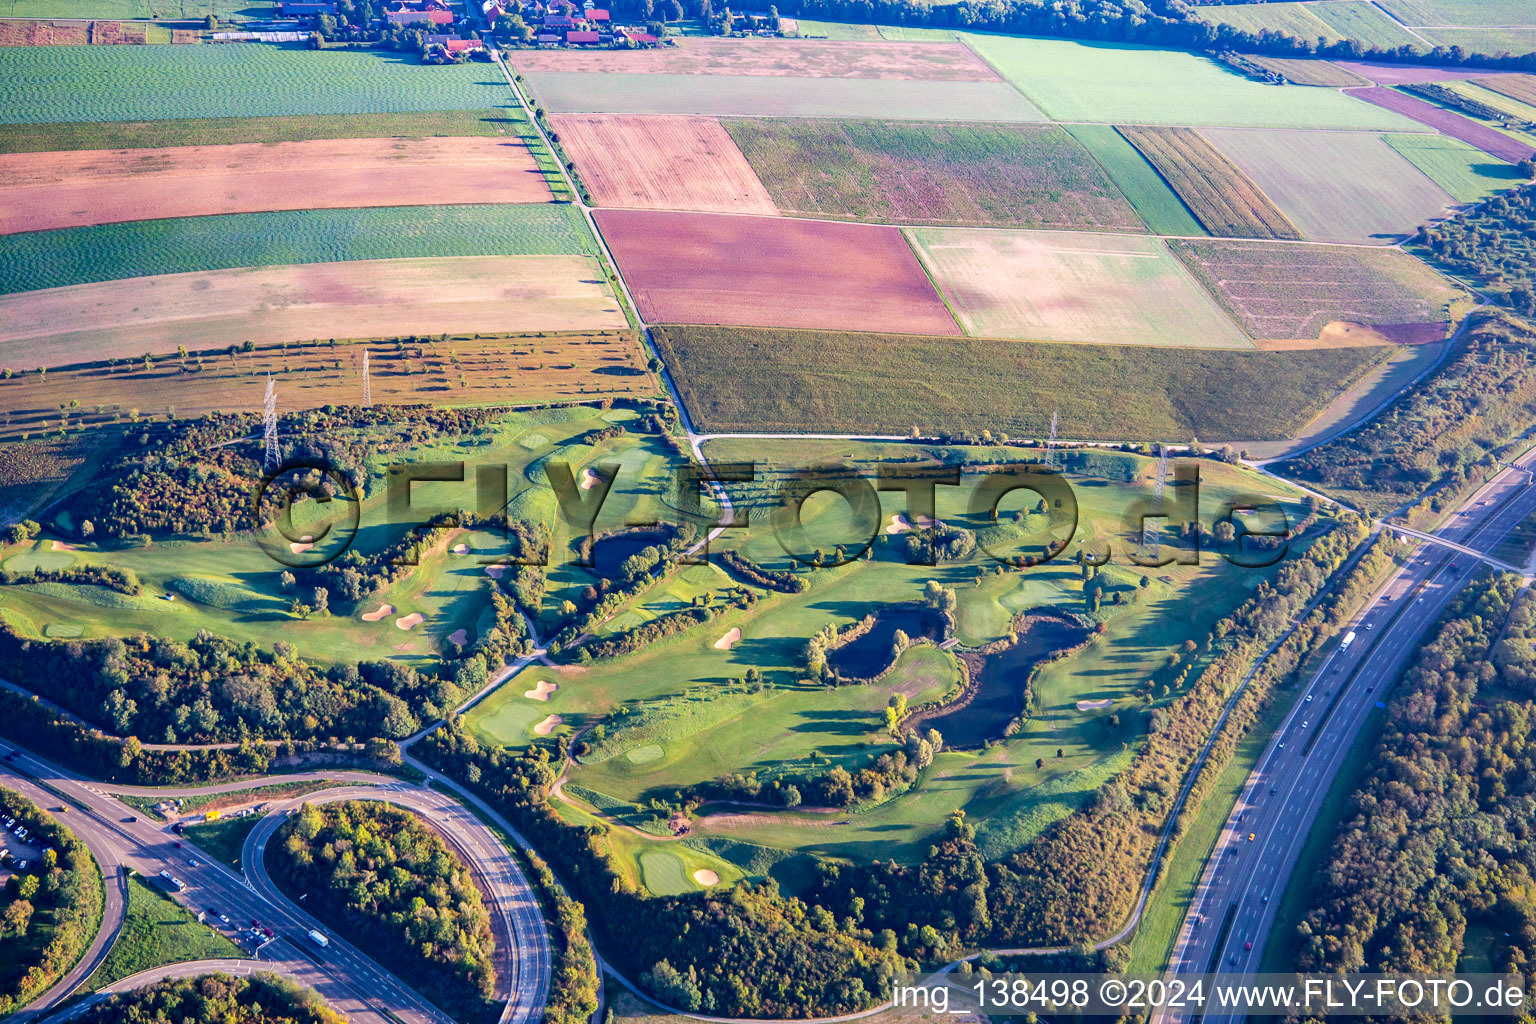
[(728, 641), (590, 479), (410, 621), (59, 545), (541, 690), (495, 571), (461, 549), (458, 636), (901, 524), (378, 613), (547, 726), (704, 876), (1094, 705), (301, 545)]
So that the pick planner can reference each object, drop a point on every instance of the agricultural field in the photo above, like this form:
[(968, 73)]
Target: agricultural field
[(1516, 40), (1120, 84), (1307, 71), (837, 30), (1155, 203), (41, 191), (772, 272), (446, 370), (754, 379), (1468, 175), (1447, 122), (1470, 13), (1099, 288), (911, 173), (564, 92), (1296, 19), (218, 131), (1223, 198), (87, 33), (1364, 22), (128, 318), (776, 58), (1481, 92), (70, 256), (1336, 186), (162, 10), (138, 83), (1294, 292), (662, 163), (1516, 87)]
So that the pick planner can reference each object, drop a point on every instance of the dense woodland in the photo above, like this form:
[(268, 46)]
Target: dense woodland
[(254, 999), (1435, 433), (1493, 245), (49, 912), (1434, 866), (392, 886)]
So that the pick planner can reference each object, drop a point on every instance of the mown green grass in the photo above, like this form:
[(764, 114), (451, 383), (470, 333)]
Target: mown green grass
[(1157, 204), (139, 83), (1467, 174), (765, 379), (157, 931), (1024, 175), (223, 839), (215, 131), (53, 259)]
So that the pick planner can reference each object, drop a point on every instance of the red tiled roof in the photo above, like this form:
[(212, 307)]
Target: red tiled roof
[(597, 14), (581, 37), (459, 45)]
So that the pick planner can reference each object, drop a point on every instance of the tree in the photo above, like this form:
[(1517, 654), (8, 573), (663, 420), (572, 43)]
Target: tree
[(15, 918), (286, 580), (320, 600)]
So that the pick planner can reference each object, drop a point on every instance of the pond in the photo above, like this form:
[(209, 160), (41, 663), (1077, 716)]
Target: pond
[(1000, 679), (609, 553), (870, 654)]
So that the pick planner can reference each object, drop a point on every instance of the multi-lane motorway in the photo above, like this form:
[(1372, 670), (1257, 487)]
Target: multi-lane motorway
[(1238, 896), (353, 983)]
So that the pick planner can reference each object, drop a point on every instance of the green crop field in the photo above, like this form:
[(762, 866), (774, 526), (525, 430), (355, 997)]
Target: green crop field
[(1121, 84), (127, 10), (141, 83), (747, 379), (1024, 175), (1293, 291), (1158, 205), (565, 92), (1099, 288), (201, 131), (1471, 13), (1364, 22), (52, 259), (1336, 186), (1295, 19), (1517, 41), (1469, 175)]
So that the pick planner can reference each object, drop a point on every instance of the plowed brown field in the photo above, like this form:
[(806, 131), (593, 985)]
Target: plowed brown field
[(773, 272), (662, 163), (39, 191), (929, 62)]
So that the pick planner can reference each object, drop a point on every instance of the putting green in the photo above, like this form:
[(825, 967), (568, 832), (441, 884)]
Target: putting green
[(511, 723), (664, 873), (39, 558), (645, 755), (533, 442), (63, 630)]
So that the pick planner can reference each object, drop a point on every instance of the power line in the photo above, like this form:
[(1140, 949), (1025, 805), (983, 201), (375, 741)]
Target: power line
[(270, 456)]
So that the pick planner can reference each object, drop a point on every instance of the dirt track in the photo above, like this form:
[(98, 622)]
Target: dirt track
[(39, 191)]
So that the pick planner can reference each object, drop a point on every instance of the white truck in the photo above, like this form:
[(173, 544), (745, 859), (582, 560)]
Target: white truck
[(319, 938), (1349, 638)]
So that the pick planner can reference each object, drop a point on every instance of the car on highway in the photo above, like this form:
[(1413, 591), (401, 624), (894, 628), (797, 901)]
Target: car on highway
[(132, 818), (192, 863), (1248, 945), (1252, 836), (1309, 698)]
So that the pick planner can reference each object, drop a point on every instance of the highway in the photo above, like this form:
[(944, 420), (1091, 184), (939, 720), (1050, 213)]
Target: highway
[(1234, 906), (349, 980)]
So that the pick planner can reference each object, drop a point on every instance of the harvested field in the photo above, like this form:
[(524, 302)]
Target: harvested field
[(162, 10), (204, 131), (924, 173), (774, 96), (1514, 39), (1296, 19), (1448, 122), (69, 256), (39, 191), (662, 163), (364, 299), (777, 58), (1225, 199), (1336, 186), (1467, 174), (1516, 87), (1155, 203), (1459, 12), (1364, 22), (1294, 291), (140, 83), (772, 272), (45, 33), (749, 379), (1407, 74), (1104, 289), (458, 370), (1305, 71)]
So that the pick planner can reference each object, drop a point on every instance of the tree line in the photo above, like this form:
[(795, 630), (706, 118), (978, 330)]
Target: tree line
[(253, 999)]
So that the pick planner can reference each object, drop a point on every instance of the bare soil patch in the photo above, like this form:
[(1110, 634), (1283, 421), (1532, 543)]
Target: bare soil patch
[(931, 62), (773, 272), (662, 163), (39, 191), (267, 305)]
